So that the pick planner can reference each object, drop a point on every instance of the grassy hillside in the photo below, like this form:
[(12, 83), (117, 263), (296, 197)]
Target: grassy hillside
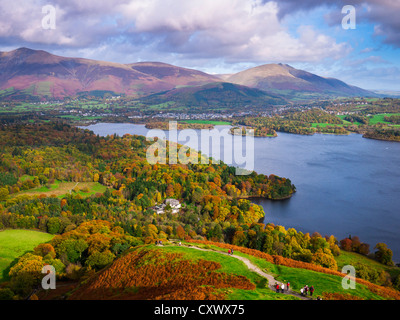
[(61, 188), (353, 258), (175, 273), (179, 272), (214, 97), (327, 282), (14, 243)]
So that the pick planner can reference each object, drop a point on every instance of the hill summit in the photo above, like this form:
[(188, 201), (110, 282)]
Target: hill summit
[(280, 77)]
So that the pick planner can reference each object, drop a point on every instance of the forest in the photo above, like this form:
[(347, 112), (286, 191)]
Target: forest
[(297, 122), (92, 231), (316, 120)]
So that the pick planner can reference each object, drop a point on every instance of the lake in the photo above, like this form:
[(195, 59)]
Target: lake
[(346, 185)]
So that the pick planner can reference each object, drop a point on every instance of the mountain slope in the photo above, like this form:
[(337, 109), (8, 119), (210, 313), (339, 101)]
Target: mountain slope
[(43, 74), (218, 95), (174, 75), (39, 73), (281, 78), (28, 73)]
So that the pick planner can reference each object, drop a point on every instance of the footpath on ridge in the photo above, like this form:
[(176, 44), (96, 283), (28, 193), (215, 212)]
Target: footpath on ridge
[(271, 280)]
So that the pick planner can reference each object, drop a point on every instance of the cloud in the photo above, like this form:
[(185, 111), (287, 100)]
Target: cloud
[(383, 13), (372, 78), (221, 36), (229, 30)]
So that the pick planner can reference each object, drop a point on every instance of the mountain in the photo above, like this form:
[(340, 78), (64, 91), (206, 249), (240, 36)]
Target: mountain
[(38, 73), (217, 95), (27, 73), (173, 75), (286, 80)]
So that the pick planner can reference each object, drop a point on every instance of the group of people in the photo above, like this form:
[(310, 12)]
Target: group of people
[(307, 290), (230, 252), (281, 288)]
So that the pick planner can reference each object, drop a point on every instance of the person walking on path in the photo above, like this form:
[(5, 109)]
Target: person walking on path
[(277, 287), (288, 286), (302, 291), (229, 251), (311, 290), (282, 288), (306, 289)]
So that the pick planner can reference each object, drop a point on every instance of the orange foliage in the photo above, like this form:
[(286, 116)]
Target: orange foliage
[(339, 296), (154, 274)]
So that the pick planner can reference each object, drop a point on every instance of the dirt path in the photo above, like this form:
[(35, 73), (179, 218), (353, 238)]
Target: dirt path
[(70, 191), (271, 280)]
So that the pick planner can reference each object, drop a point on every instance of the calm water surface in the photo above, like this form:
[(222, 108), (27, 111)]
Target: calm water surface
[(346, 185)]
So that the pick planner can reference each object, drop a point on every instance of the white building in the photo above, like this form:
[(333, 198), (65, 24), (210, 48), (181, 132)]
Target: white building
[(173, 203)]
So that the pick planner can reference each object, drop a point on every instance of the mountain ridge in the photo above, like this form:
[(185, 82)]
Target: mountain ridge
[(29, 72), (285, 77)]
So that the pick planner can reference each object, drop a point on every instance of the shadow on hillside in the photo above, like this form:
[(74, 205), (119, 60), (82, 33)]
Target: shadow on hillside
[(6, 271)]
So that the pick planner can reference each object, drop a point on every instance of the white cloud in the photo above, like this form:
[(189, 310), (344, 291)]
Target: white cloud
[(236, 30), (228, 30)]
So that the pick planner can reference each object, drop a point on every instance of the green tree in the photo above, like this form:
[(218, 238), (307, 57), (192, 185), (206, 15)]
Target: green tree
[(53, 225), (384, 254), (71, 250), (6, 294), (3, 193), (99, 260)]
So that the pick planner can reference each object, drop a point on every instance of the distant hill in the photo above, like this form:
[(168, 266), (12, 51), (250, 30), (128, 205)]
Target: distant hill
[(218, 95), (38, 73), (27, 73), (286, 80)]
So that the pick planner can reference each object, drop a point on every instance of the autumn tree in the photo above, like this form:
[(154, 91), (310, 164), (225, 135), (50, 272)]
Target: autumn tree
[(383, 254), (324, 259), (99, 260), (3, 193), (346, 244), (180, 232), (45, 249)]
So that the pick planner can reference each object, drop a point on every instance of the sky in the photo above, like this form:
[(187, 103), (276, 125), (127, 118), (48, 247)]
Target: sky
[(217, 36)]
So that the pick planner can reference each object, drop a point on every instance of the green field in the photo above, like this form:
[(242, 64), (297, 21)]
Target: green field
[(380, 118), (77, 118), (324, 125), (345, 122), (14, 243), (215, 123), (60, 188)]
